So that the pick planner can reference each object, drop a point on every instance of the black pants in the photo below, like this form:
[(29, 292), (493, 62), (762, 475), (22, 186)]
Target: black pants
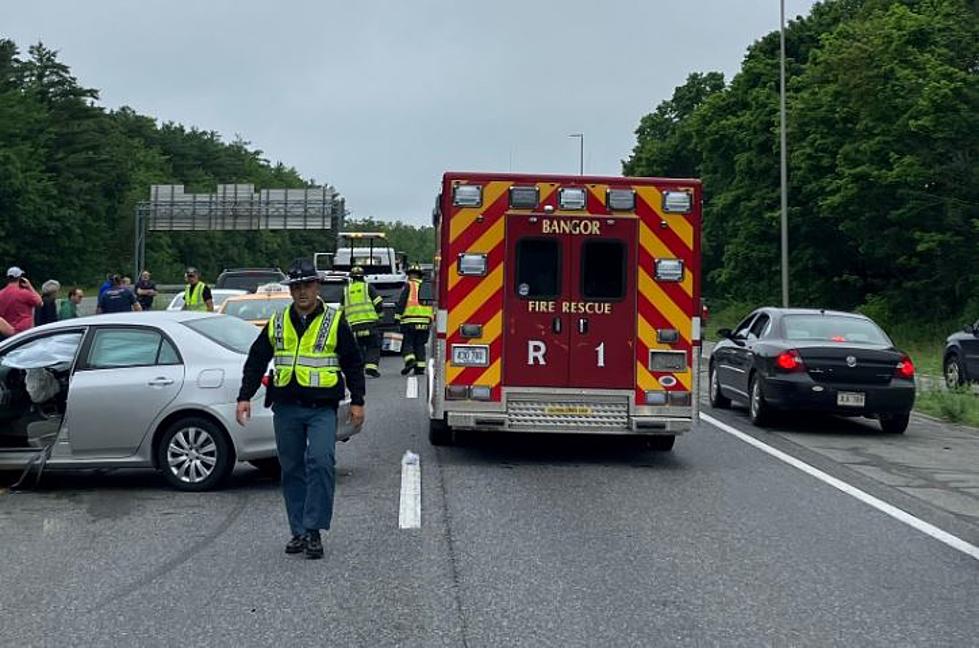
[(370, 346), (413, 347)]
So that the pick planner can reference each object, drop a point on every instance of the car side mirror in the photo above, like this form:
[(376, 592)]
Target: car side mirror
[(724, 333)]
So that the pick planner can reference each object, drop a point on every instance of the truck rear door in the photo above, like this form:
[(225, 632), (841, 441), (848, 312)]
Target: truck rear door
[(570, 304), (536, 350), (602, 306)]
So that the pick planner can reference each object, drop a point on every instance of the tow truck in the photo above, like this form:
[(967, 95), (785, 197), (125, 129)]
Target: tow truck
[(384, 269)]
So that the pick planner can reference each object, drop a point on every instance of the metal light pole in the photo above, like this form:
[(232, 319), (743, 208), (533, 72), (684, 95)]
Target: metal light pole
[(784, 168), (581, 152)]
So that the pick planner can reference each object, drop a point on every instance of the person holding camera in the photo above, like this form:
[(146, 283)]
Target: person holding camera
[(18, 301)]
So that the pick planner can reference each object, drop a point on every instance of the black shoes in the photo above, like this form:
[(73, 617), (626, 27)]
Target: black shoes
[(419, 371), (373, 373), (297, 545), (406, 371), (314, 545)]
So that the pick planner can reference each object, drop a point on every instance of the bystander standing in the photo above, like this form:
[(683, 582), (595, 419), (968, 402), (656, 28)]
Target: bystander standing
[(69, 307), (18, 300), (47, 312), (145, 291), (117, 299)]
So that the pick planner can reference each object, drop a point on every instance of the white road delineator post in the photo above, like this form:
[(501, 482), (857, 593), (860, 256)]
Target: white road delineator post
[(410, 514)]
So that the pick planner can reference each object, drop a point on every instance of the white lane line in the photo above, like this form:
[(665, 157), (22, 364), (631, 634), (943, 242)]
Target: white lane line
[(888, 509), (410, 514), (411, 390)]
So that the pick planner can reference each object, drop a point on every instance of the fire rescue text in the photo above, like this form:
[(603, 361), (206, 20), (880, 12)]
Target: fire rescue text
[(590, 308)]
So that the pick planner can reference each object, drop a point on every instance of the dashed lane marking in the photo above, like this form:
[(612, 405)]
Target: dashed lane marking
[(900, 515), (411, 389), (410, 513)]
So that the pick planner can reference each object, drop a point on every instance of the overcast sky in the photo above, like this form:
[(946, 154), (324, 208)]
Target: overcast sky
[(379, 98)]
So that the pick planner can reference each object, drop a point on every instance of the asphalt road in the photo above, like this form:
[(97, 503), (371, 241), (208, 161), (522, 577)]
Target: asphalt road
[(536, 541)]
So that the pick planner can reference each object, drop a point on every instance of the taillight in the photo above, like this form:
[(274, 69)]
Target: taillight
[(905, 368), (789, 361)]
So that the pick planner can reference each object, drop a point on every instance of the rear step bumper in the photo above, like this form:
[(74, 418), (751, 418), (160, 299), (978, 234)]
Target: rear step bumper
[(633, 425)]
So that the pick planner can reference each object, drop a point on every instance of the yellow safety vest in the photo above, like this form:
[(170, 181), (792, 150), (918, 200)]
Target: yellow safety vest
[(415, 313), (312, 359), (357, 306), (194, 297)]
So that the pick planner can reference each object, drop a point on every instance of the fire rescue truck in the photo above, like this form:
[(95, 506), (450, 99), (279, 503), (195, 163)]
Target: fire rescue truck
[(566, 304)]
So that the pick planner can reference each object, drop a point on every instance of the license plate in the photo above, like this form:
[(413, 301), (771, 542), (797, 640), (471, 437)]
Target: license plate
[(392, 342), (568, 410), (851, 399), (470, 356)]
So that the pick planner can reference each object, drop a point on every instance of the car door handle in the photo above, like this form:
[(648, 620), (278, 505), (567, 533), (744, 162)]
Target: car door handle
[(556, 325), (160, 382), (582, 326)]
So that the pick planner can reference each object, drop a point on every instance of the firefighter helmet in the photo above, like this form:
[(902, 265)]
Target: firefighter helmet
[(356, 272), (415, 269)]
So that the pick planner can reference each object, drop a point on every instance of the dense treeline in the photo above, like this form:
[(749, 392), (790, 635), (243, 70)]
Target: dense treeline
[(883, 101), (71, 173)]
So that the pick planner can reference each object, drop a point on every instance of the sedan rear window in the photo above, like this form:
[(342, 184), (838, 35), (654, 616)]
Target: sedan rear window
[(832, 328), (230, 332), (255, 309)]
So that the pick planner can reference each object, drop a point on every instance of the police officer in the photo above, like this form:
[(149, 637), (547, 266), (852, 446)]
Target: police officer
[(197, 294), (311, 344), (415, 319), (362, 308)]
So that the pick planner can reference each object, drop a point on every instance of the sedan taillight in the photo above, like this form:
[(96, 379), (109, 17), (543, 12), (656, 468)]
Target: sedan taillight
[(905, 368), (789, 361)]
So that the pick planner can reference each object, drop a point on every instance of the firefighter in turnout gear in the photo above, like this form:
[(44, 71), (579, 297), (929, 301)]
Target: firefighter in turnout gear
[(362, 307), (415, 319), (310, 344)]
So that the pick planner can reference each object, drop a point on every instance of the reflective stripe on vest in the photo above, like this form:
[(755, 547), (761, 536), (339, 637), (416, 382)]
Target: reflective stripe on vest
[(415, 312), (357, 306), (312, 359), (194, 297)]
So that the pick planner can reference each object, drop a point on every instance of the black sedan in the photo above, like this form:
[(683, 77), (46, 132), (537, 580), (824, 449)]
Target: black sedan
[(961, 359), (792, 359)]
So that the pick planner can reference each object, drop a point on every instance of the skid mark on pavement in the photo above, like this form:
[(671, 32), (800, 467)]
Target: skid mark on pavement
[(180, 558)]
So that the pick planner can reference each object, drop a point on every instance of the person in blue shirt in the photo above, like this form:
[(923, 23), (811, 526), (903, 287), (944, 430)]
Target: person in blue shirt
[(117, 299), (106, 284)]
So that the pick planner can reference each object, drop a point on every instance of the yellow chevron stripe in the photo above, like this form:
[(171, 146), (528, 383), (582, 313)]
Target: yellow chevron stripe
[(467, 216), (489, 285), (483, 245), (659, 250), (491, 331), (662, 302), (679, 223), (491, 377)]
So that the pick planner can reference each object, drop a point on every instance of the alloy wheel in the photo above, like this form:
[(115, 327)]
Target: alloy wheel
[(952, 374), (192, 455)]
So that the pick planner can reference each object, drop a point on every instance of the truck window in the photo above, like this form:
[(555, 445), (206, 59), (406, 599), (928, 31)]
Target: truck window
[(538, 268), (603, 270)]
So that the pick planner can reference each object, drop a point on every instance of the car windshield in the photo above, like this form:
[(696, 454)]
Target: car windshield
[(255, 309), (832, 328), (230, 332), (249, 281)]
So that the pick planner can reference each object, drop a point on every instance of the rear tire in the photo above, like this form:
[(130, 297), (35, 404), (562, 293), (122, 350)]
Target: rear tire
[(759, 411), (714, 395), (439, 433), (954, 376), (895, 423), (195, 455)]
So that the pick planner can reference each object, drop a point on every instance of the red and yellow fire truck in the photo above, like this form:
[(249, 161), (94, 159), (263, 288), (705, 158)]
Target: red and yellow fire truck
[(566, 304)]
